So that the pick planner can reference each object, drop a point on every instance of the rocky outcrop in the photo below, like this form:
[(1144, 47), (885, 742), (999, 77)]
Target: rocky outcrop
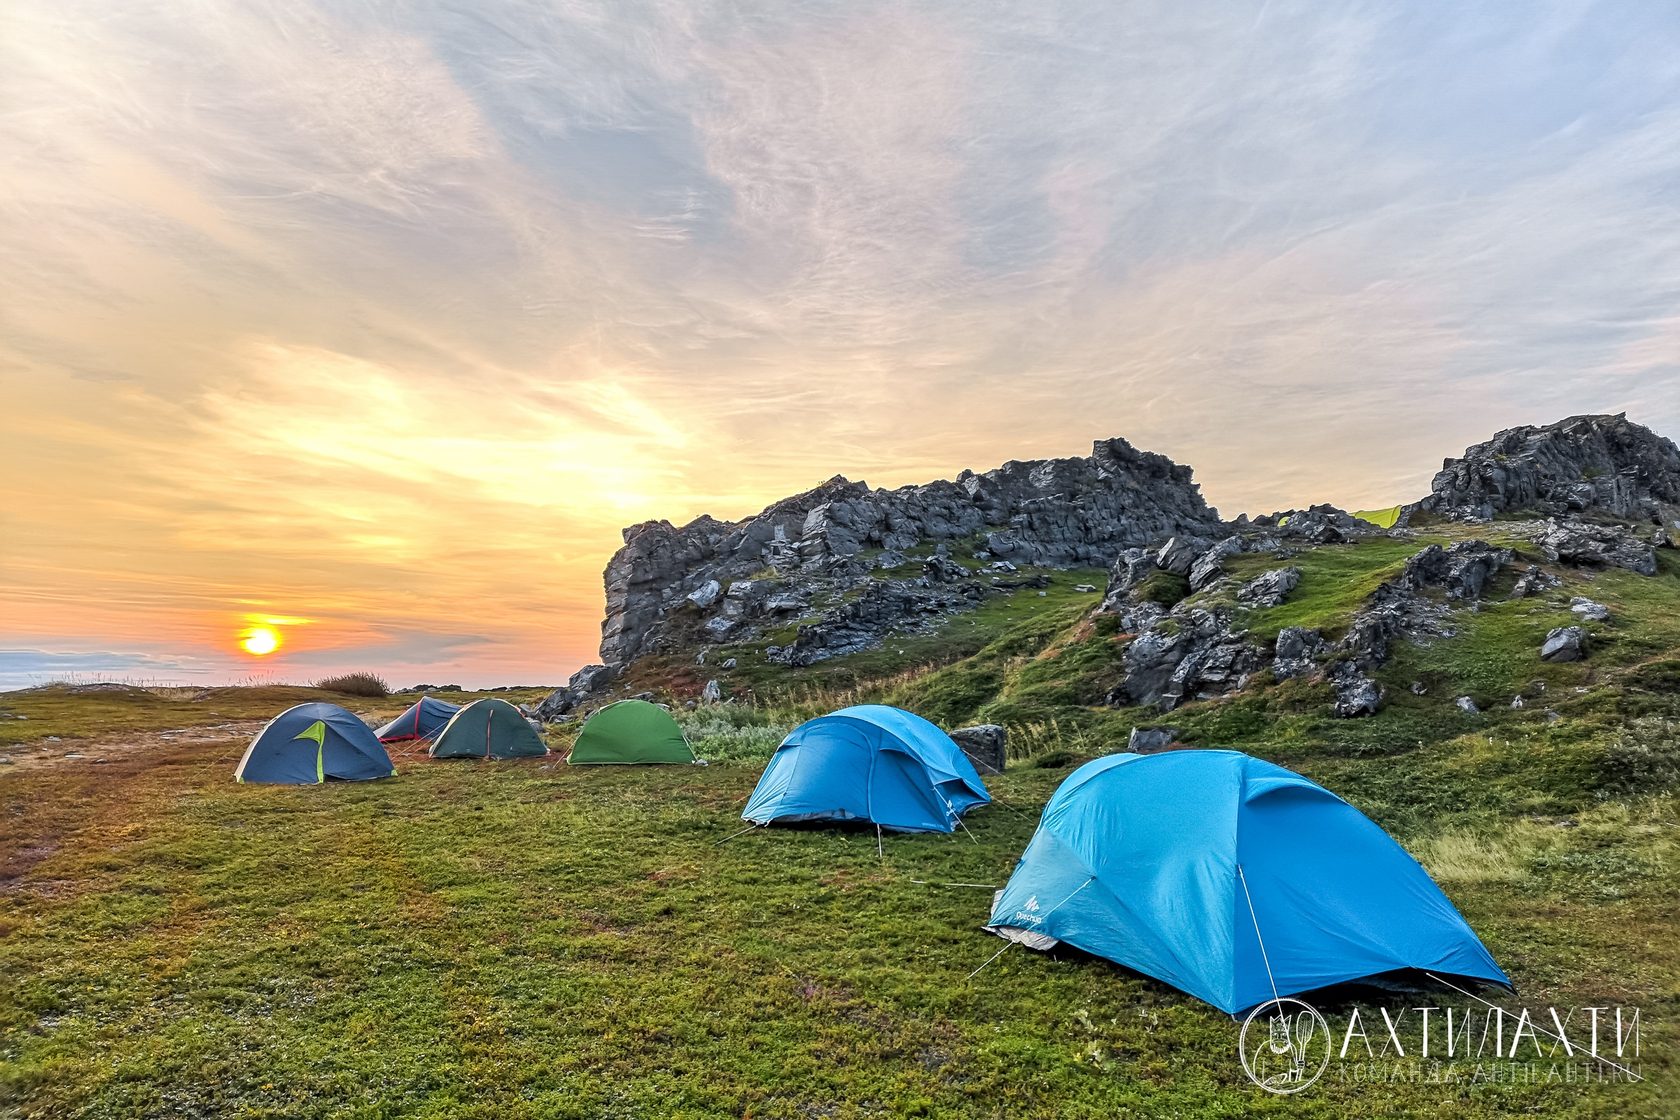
[(667, 581), (1604, 464), (1597, 546), (587, 682), (1187, 653)]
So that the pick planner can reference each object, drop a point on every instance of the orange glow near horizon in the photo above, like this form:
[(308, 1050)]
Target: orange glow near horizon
[(260, 641)]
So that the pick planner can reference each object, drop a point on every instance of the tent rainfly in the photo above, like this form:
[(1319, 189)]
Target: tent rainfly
[(309, 744), (868, 763), (488, 728), (423, 720), (630, 731), (1231, 879)]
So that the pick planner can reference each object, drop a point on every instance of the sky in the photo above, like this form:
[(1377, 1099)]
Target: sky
[(375, 323)]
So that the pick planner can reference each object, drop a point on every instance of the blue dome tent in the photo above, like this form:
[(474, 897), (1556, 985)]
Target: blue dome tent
[(1224, 875), (423, 720), (311, 743), (868, 763)]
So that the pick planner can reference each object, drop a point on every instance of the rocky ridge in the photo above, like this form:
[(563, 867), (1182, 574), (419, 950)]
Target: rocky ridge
[(831, 565), (816, 551)]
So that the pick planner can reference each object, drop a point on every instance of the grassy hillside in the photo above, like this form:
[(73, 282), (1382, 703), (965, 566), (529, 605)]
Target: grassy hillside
[(527, 940)]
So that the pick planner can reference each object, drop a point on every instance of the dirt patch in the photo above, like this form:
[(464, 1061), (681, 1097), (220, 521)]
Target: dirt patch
[(115, 749)]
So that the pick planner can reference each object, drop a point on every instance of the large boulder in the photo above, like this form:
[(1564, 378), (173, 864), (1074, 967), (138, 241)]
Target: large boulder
[(587, 682), (985, 744)]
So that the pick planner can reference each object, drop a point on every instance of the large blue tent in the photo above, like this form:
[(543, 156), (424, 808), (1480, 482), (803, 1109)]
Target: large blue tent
[(424, 719), (1224, 875), (868, 763), (312, 743)]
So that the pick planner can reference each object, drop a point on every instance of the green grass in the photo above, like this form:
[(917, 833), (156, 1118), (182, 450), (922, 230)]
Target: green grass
[(525, 940)]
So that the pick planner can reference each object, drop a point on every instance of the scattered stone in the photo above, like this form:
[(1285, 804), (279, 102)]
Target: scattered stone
[(1518, 702), (986, 745), (642, 696), (890, 559), (1467, 705), (712, 693), (719, 627), (1269, 589), (1188, 653), (1419, 688), (1084, 588), (1589, 610), (1002, 566), (939, 569), (728, 663), (700, 658), (1151, 740), (1566, 643)]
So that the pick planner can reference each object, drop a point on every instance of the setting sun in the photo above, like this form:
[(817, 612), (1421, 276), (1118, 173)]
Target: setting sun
[(260, 640)]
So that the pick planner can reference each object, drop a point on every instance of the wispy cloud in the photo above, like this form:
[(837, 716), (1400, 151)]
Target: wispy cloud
[(390, 318)]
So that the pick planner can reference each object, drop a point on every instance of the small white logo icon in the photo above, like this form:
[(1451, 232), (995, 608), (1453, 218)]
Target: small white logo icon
[(1032, 904), (1288, 1050)]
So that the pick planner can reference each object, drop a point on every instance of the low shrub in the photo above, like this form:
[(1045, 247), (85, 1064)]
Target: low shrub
[(355, 684)]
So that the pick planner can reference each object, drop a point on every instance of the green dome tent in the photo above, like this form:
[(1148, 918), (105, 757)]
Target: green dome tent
[(630, 731), (487, 728)]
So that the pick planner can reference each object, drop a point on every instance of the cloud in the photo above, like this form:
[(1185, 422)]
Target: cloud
[(390, 318)]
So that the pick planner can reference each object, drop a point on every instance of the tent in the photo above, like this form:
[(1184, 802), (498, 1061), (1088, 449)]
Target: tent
[(311, 743), (630, 731), (488, 728), (868, 763), (423, 720), (1223, 875)]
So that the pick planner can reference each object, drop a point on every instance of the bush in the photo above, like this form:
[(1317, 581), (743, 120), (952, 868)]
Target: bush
[(1644, 758), (355, 684)]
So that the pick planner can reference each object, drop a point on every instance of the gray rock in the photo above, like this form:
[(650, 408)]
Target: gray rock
[(1268, 589), (1320, 524), (1151, 740), (1187, 653), (1356, 694), (1599, 546), (1589, 610), (1535, 580), (986, 745), (1566, 643), (586, 682), (1210, 565), (1084, 588), (1179, 554), (890, 559), (719, 627), (1297, 651), (728, 663), (1599, 463), (1467, 705), (706, 594), (938, 569), (712, 693)]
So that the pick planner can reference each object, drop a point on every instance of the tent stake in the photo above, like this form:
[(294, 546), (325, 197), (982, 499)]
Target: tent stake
[(732, 835), (879, 854)]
